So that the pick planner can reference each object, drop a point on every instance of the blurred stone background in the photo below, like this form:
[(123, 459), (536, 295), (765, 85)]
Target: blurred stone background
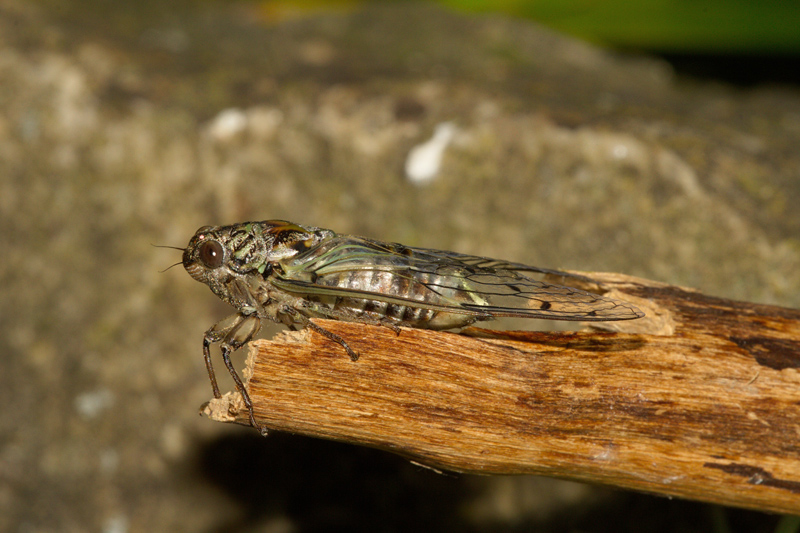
[(123, 128)]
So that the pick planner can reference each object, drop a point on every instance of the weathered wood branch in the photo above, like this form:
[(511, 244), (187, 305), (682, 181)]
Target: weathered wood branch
[(699, 400)]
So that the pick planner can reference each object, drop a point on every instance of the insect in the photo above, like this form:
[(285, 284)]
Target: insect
[(289, 273)]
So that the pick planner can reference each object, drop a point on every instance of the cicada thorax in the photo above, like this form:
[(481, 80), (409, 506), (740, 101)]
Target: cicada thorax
[(287, 239), (255, 245)]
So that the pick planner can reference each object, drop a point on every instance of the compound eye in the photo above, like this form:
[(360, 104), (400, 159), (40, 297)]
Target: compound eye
[(211, 254)]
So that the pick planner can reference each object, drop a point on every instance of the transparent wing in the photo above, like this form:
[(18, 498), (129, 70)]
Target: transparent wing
[(441, 280)]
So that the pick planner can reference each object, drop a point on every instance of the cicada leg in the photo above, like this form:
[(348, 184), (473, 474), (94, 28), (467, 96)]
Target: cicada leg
[(335, 338), (233, 332), (290, 316)]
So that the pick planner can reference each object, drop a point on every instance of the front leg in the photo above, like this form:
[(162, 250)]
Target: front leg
[(233, 332)]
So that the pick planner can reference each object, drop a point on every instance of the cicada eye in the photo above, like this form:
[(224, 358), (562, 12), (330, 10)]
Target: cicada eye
[(211, 254)]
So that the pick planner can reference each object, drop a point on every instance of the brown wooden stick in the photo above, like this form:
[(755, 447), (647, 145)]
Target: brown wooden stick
[(700, 399)]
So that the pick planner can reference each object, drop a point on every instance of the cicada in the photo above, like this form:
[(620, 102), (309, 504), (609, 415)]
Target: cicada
[(289, 273)]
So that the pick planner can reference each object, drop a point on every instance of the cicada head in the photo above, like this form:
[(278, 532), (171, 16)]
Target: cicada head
[(205, 258)]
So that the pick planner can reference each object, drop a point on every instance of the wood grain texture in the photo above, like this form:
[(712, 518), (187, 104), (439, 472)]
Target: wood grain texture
[(699, 400)]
